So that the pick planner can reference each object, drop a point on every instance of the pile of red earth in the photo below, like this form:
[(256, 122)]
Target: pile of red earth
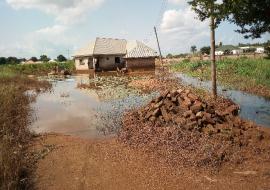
[(182, 127), (188, 110)]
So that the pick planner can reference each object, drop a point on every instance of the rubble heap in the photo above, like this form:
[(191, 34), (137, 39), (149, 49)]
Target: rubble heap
[(187, 110)]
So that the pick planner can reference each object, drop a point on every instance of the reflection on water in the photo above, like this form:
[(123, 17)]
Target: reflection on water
[(73, 111), (253, 108)]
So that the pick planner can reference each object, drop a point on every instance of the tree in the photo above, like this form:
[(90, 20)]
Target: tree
[(169, 56), (61, 58), (253, 17), (205, 50), (3, 60), (193, 49), (34, 59), (210, 9), (12, 60), (44, 58)]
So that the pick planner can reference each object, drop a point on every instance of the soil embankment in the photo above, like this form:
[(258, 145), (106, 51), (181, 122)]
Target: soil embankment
[(108, 164)]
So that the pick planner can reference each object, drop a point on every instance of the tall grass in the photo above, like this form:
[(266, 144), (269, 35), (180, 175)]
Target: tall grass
[(244, 73), (40, 69), (15, 116)]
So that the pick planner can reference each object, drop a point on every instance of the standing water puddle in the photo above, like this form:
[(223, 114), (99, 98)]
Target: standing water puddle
[(253, 108), (86, 113)]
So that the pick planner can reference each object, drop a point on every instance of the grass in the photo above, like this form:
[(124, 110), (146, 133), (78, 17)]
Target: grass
[(37, 69), (15, 166), (252, 75)]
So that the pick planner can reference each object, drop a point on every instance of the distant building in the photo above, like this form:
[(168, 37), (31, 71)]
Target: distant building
[(110, 54), (52, 61), (259, 50), (228, 49)]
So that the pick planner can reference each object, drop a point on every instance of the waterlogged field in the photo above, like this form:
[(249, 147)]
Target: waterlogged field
[(251, 75), (87, 106)]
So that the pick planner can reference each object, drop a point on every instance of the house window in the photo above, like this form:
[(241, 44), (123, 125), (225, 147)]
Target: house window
[(117, 60), (81, 62)]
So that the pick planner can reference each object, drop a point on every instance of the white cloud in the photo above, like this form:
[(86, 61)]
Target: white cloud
[(180, 29), (177, 2), (54, 39), (65, 11)]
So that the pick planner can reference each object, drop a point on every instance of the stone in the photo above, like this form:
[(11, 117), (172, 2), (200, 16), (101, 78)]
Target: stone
[(174, 99), (159, 104), (233, 109), (192, 117), (168, 103), (191, 125), (196, 107), (180, 121), (180, 91), (165, 114), (199, 115), (156, 113), (193, 97), (174, 93), (148, 115), (179, 100), (152, 119), (187, 113), (186, 102), (159, 99)]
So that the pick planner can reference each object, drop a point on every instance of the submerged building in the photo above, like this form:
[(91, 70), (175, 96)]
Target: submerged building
[(105, 54)]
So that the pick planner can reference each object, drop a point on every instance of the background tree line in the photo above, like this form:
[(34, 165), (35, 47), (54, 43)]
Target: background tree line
[(42, 58)]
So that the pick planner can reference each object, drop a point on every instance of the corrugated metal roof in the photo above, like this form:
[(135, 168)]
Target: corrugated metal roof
[(109, 46), (139, 50), (86, 51)]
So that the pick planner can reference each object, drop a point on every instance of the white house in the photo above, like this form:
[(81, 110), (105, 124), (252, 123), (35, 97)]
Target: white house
[(259, 50)]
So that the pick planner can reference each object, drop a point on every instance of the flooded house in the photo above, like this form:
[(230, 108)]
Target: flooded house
[(106, 54)]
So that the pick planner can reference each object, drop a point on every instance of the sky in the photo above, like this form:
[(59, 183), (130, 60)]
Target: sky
[(52, 27)]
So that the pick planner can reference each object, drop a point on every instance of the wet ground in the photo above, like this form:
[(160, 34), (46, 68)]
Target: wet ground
[(253, 108), (96, 110), (92, 112)]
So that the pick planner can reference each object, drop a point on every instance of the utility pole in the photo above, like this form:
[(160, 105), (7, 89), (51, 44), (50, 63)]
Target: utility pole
[(160, 55), (68, 54)]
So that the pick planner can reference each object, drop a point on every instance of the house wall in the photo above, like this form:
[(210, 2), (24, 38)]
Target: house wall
[(135, 63), (108, 62), (84, 63)]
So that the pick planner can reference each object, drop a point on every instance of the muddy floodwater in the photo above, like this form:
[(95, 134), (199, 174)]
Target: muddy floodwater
[(94, 111), (253, 108)]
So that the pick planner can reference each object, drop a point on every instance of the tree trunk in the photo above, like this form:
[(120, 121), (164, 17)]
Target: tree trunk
[(213, 57)]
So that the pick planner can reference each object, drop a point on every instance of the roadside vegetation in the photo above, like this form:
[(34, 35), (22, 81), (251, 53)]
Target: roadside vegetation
[(36, 69), (15, 165), (252, 75)]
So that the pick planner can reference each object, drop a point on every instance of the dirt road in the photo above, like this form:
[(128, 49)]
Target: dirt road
[(106, 164)]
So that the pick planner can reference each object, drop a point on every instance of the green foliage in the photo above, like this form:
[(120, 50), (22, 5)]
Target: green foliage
[(3, 60), (44, 58), (12, 60), (36, 69), (209, 8), (34, 59), (257, 70), (251, 16), (169, 56), (205, 50), (193, 49), (61, 58)]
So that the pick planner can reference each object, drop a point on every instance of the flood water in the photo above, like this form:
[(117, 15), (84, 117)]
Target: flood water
[(96, 111), (86, 113), (253, 108)]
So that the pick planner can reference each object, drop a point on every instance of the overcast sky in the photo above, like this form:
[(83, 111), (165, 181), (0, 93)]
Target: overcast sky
[(53, 27)]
